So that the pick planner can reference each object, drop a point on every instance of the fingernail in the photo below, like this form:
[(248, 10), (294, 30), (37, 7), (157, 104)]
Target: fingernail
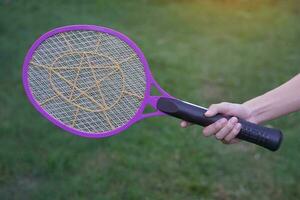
[(207, 113), (183, 124), (233, 120), (238, 126)]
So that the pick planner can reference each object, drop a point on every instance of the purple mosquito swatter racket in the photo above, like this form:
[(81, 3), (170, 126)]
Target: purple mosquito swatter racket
[(95, 82)]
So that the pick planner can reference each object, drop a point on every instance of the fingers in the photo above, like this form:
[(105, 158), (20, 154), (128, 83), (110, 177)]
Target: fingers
[(234, 132), (218, 108), (184, 124), (214, 128), (224, 130), (227, 129), (233, 141)]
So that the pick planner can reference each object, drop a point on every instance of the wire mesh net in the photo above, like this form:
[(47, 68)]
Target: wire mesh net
[(88, 80)]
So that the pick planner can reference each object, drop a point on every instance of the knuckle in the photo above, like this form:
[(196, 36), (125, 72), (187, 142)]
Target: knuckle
[(229, 126), (223, 103)]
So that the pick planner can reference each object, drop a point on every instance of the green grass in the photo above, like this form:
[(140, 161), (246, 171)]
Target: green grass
[(202, 51)]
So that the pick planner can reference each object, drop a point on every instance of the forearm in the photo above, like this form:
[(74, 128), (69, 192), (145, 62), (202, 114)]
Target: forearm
[(277, 102)]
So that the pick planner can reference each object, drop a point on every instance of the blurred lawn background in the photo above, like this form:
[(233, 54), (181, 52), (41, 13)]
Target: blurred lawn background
[(203, 51)]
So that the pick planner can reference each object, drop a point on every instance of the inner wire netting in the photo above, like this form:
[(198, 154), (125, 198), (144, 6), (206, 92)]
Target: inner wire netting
[(88, 80)]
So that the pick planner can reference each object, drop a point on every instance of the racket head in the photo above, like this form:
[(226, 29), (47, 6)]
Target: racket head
[(149, 82)]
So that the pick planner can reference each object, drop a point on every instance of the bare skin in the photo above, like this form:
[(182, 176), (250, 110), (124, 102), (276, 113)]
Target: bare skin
[(278, 102)]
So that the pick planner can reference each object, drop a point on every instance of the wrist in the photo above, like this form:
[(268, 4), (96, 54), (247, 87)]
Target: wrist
[(251, 113)]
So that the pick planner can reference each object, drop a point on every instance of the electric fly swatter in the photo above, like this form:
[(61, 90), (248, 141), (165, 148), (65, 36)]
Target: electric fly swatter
[(95, 82)]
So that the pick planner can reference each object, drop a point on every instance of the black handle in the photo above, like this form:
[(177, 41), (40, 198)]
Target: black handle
[(266, 137)]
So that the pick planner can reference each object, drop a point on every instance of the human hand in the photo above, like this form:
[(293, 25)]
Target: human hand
[(225, 130)]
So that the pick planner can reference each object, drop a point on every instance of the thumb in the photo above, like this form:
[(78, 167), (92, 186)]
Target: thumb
[(217, 108)]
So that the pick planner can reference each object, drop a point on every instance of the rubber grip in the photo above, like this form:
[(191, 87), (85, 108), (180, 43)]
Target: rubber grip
[(263, 136)]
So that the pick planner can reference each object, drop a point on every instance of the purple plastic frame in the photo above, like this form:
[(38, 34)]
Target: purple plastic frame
[(150, 82)]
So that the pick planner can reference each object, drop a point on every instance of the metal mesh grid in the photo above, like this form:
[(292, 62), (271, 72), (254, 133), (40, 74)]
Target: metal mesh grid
[(91, 81)]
